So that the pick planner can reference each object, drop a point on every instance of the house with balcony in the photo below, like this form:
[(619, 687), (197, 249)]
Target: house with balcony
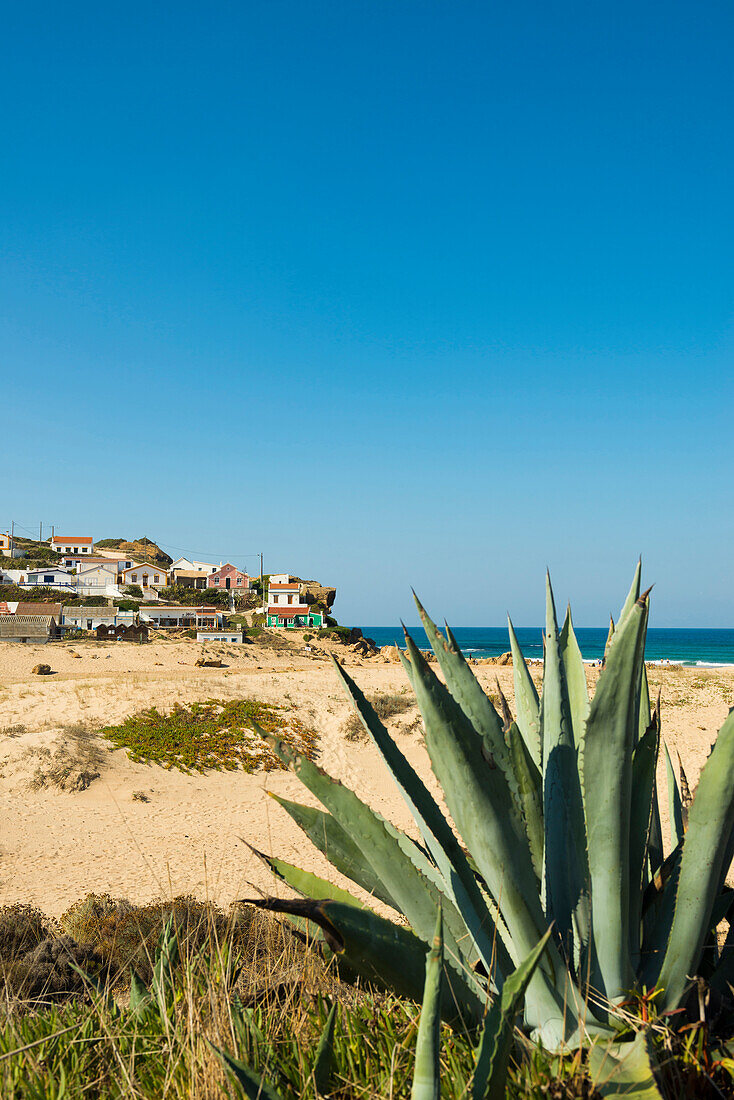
[(285, 608), (50, 577)]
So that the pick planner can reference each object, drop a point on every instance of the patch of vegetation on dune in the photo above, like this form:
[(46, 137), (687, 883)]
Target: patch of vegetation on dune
[(213, 735)]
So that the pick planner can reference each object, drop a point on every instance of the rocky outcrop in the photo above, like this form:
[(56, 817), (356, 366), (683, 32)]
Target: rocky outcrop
[(41, 670), (313, 592)]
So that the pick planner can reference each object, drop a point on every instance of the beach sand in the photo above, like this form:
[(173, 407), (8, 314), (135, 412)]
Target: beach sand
[(56, 846)]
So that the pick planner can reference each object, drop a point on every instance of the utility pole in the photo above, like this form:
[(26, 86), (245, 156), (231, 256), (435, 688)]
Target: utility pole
[(40, 531)]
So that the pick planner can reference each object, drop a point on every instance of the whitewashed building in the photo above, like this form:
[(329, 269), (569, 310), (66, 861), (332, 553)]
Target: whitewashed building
[(72, 544), (97, 580), (49, 577), (146, 576)]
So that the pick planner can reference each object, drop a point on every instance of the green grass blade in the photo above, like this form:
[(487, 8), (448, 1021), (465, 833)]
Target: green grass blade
[(325, 832), (458, 877), (611, 734), (566, 876), (427, 1069), (527, 703), (624, 1069), (675, 802), (385, 954), (253, 1084), (495, 1045), (710, 822), (323, 1068)]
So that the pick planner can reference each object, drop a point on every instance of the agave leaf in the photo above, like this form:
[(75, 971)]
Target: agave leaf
[(624, 1069), (529, 782), (685, 792), (386, 954), (655, 842), (465, 688), (323, 1067), (328, 836), (527, 703), (710, 823), (566, 875), (140, 997), (495, 1044), (414, 894), (459, 879), (480, 803), (305, 883), (253, 1084), (658, 907), (427, 1068), (610, 636), (573, 666), (644, 764), (633, 595), (611, 733), (675, 803)]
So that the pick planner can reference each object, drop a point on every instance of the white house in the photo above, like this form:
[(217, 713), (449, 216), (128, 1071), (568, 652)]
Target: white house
[(50, 577), (97, 580), (283, 593), (280, 578), (75, 561), (235, 636), (187, 563), (166, 616), (146, 576), (72, 544), (8, 548), (89, 618)]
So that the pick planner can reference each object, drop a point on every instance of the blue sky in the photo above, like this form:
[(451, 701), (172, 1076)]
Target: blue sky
[(396, 292)]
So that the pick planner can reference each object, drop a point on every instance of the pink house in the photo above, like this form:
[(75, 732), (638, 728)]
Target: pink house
[(229, 577)]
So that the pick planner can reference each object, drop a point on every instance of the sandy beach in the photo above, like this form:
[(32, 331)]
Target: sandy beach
[(58, 845)]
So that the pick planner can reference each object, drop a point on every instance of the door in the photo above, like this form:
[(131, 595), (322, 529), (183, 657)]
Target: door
[(228, 583)]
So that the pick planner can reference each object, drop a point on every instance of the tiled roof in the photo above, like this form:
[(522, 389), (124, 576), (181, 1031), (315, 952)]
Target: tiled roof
[(280, 587), (73, 540), (287, 611)]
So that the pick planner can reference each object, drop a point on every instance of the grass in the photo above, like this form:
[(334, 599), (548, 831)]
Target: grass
[(246, 984), (387, 705), (216, 735), (74, 764)]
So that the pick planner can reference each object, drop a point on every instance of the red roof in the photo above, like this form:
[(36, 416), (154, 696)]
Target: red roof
[(289, 611), (291, 587), (71, 540)]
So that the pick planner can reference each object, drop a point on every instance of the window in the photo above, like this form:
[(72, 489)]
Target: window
[(48, 579), (156, 578), (216, 580)]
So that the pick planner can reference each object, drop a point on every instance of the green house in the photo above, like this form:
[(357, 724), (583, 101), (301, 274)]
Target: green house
[(298, 616)]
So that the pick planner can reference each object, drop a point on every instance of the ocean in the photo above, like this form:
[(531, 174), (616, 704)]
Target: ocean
[(702, 648)]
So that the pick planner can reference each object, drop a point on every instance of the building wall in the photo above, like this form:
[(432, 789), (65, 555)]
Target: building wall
[(85, 549), (148, 576), (237, 578)]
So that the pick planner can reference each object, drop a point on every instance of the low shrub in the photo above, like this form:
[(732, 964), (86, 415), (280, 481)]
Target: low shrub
[(386, 706), (133, 590), (216, 735)]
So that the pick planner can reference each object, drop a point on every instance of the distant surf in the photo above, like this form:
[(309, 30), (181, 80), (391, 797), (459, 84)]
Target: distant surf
[(699, 648)]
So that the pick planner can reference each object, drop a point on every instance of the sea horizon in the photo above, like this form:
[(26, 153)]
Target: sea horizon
[(703, 647)]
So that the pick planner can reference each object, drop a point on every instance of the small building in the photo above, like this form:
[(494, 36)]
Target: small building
[(146, 576), (190, 563), (79, 561), (294, 615), (8, 548), (230, 578), (72, 544), (171, 617), (235, 636), (190, 578), (28, 628), (28, 607), (88, 618), (283, 593), (280, 578), (50, 577)]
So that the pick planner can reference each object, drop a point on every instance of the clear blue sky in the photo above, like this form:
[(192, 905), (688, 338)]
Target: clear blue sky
[(398, 292)]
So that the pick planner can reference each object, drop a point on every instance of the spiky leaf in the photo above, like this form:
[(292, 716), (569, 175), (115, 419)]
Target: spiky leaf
[(427, 1067)]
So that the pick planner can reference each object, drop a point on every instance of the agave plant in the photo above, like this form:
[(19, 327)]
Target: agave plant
[(555, 826)]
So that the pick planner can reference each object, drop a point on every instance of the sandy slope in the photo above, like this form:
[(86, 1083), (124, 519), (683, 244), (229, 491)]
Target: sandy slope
[(55, 846)]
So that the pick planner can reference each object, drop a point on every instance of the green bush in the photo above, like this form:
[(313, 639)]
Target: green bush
[(211, 735), (133, 590)]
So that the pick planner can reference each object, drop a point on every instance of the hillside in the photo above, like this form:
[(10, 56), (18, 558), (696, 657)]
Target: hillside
[(140, 550)]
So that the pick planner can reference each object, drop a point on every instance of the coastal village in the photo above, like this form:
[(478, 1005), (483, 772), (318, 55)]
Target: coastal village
[(70, 585)]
